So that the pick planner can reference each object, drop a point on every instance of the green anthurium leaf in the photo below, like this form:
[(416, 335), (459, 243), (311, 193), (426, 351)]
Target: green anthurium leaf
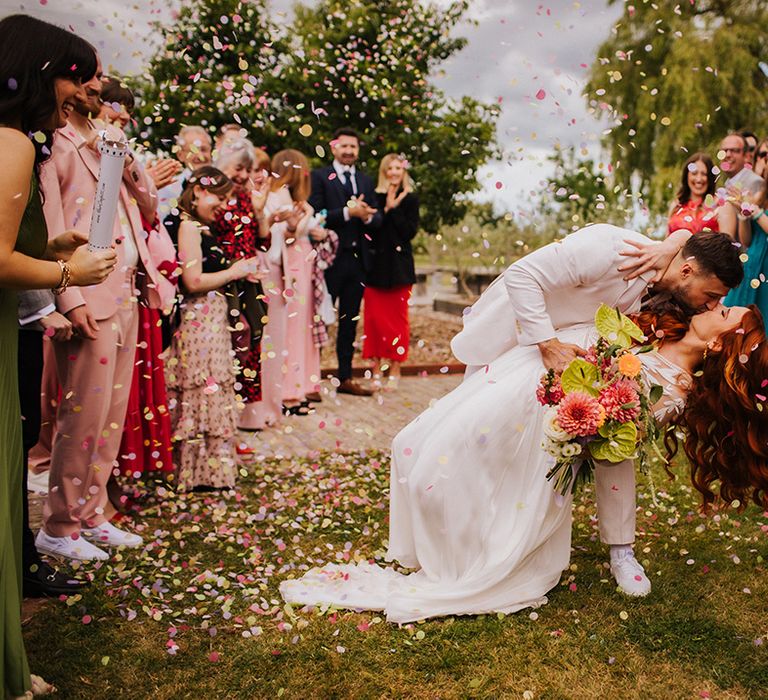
[(616, 328), (580, 375), (616, 443), (655, 394)]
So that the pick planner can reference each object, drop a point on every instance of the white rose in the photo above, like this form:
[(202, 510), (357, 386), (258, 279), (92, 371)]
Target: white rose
[(552, 428)]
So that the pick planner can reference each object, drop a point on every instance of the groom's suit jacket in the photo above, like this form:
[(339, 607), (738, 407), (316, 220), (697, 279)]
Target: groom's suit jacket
[(558, 286)]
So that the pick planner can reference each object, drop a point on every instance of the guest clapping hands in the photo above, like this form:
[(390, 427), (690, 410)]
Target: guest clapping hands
[(392, 273), (242, 231)]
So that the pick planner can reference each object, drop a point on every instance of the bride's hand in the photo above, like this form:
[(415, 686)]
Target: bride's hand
[(557, 356), (652, 256)]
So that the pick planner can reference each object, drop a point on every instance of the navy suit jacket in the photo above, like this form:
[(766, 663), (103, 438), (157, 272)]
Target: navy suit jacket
[(328, 193)]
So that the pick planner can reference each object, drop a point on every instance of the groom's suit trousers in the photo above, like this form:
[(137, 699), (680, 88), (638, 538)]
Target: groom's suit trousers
[(615, 493)]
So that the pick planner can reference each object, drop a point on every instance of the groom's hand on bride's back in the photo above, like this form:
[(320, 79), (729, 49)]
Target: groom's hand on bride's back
[(556, 355)]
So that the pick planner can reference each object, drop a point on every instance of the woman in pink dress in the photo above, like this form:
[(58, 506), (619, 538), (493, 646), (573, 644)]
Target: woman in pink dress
[(301, 366)]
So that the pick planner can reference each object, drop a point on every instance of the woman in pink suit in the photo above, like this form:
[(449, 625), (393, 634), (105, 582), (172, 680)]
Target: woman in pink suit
[(95, 367), (146, 445)]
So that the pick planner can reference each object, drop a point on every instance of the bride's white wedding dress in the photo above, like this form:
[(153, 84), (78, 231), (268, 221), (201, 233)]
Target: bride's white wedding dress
[(471, 507)]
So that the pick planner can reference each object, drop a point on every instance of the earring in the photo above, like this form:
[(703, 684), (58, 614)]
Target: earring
[(706, 351)]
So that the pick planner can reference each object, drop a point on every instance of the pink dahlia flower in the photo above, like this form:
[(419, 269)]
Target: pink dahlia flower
[(580, 414), (621, 401)]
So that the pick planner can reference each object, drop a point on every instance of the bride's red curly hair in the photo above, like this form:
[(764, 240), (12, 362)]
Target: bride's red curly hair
[(725, 420)]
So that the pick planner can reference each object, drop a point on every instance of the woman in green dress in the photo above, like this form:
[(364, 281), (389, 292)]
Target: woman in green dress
[(42, 68)]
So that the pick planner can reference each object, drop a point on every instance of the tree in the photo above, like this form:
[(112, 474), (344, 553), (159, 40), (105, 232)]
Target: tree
[(359, 63), (581, 192), (367, 64), (674, 79), (221, 62)]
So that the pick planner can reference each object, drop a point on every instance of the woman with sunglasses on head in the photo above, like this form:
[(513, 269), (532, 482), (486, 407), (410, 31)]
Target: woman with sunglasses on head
[(752, 235), (42, 68)]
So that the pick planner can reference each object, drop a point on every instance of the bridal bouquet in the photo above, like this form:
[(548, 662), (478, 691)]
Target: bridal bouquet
[(599, 407)]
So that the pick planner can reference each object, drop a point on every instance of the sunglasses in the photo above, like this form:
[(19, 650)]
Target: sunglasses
[(762, 154)]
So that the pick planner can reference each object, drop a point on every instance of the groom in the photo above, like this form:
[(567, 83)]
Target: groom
[(562, 285)]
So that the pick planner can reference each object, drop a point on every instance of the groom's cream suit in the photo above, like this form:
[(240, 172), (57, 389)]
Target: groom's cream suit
[(559, 286)]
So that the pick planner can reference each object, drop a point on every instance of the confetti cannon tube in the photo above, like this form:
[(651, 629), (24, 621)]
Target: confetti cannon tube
[(107, 191)]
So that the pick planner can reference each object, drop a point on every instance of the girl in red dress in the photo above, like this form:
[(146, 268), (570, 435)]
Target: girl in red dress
[(146, 443)]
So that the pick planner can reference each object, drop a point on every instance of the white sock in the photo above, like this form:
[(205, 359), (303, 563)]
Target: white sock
[(620, 551)]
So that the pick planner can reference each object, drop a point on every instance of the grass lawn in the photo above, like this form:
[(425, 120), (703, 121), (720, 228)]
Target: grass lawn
[(196, 613)]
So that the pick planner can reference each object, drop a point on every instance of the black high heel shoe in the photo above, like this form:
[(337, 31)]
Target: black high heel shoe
[(301, 409)]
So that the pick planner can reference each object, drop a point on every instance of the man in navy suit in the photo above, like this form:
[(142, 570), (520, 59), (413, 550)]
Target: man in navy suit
[(349, 198)]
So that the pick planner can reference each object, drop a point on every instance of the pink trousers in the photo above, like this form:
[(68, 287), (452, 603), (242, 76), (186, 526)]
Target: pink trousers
[(95, 379)]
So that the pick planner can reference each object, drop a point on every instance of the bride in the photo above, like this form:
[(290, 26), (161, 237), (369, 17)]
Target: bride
[(471, 509)]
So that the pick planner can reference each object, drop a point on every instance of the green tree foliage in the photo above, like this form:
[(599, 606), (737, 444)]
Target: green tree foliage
[(221, 62), (675, 78), (364, 63), (485, 241), (582, 192)]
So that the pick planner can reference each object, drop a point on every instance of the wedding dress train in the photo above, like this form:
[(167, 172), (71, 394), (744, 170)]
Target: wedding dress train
[(471, 507)]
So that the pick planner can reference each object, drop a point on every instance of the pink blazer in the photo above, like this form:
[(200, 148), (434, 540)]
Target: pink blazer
[(68, 180)]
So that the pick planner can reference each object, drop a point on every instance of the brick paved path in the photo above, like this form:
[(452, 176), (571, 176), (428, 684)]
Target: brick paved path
[(345, 422)]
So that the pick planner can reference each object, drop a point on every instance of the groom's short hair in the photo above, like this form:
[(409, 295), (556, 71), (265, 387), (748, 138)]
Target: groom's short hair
[(716, 254)]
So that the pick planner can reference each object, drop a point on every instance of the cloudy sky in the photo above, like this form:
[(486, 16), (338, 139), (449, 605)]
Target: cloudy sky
[(528, 57)]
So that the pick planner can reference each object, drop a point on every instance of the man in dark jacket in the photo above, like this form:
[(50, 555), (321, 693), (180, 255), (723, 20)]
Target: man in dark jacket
[(349, 198)]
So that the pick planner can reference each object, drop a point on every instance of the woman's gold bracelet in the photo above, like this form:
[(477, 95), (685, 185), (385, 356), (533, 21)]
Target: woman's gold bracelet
[(66, 276)]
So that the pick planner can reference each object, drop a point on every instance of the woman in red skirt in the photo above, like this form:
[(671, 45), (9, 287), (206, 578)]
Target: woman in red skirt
[(392, 272)]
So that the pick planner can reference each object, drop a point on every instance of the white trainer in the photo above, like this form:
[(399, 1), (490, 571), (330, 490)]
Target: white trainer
[(69, 548), (630, 576), (107, 535)]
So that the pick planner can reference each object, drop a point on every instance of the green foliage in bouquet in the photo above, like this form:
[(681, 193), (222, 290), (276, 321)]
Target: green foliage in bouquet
[(614, 327)]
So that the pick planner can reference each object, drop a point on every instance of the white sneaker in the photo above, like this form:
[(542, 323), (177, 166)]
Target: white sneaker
[(69, 548), (630, 576), (106, 534)]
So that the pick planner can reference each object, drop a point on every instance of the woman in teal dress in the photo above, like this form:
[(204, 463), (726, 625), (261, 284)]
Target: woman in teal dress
[(753, 236), (41, 71)]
